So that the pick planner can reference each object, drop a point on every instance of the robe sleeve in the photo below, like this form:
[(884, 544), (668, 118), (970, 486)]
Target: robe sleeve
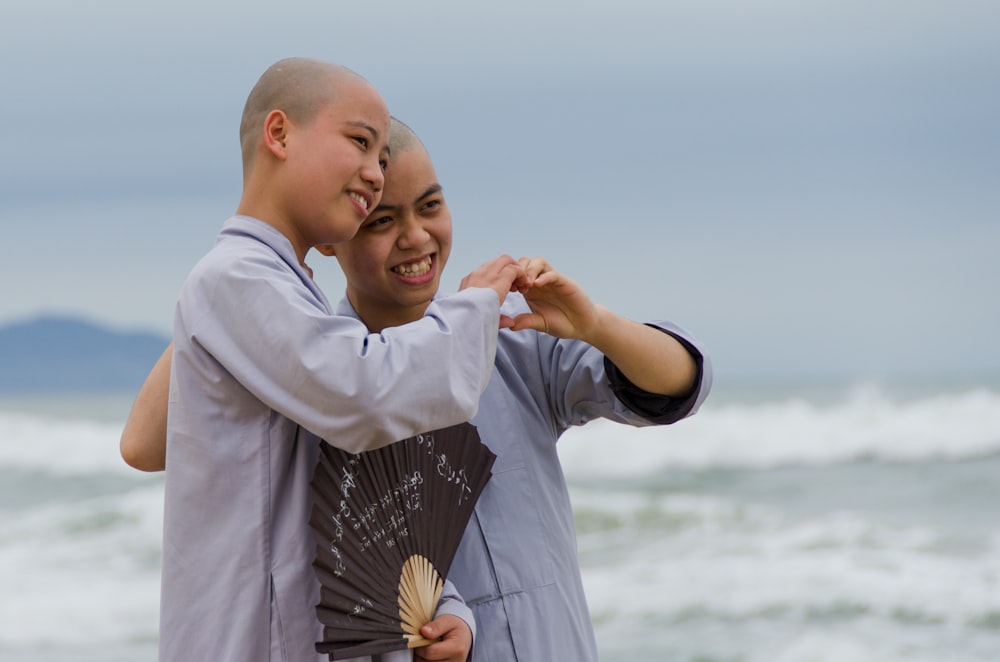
[(279, 341), (452, 603), (661, 409)]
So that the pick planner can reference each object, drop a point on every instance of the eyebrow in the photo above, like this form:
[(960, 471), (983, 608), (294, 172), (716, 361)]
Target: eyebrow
[(382, 208), (370, 129), (364, 125), (431, 190)]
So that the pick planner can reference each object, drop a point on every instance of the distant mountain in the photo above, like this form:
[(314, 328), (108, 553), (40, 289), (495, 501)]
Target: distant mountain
[(68, 355)]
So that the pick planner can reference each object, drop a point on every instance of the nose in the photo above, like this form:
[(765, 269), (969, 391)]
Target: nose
[(412, 233), (373, 174)]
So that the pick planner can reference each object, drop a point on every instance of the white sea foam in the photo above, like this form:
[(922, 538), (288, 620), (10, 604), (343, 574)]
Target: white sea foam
[(792, 431), (868, 425), (738, 562), (59, 446), (736, 577), (82, 572)]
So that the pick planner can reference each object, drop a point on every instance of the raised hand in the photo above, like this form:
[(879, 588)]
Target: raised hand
[(502, 274), (559, 306), (652, 360)]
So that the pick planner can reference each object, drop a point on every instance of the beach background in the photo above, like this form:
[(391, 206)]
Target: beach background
[(808, 187), (785, 523)]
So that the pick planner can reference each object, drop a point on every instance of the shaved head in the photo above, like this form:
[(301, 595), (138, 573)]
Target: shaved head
[(402, 138), (298, 86)]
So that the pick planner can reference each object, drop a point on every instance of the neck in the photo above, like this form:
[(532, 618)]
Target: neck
[(258, 206), (379, 318)]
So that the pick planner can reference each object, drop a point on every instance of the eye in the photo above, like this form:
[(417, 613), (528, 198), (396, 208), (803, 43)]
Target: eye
[(383, 163), (431, 205), (379, 221), (362, 141)]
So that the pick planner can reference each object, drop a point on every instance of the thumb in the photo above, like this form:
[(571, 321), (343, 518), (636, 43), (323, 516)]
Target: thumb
[(534, 321), (430, 631)]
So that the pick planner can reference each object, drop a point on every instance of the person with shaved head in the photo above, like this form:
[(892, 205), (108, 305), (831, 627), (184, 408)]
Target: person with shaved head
[(262, 369), (570, 361), (565, 361)]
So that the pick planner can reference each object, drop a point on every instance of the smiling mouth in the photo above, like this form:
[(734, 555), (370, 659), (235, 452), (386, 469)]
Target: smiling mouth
[(414, 269), (360, 199)]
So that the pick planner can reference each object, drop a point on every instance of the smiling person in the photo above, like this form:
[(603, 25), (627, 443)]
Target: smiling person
[(262, 368), (570, 361)]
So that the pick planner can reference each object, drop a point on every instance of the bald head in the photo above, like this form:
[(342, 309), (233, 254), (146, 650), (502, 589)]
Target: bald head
[(298, 86), (402, 138)]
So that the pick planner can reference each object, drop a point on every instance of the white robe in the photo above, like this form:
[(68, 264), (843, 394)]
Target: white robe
[(517, 565), (262, 369)]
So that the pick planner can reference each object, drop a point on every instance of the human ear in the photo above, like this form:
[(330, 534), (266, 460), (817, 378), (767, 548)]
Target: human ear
[(329, 250), (276, 133)]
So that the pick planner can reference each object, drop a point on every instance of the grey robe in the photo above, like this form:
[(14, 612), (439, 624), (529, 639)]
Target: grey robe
[(517, 566), (261, 368)]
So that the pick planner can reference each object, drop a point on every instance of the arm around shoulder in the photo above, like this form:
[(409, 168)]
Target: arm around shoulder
[(144, 438), (356, 389)]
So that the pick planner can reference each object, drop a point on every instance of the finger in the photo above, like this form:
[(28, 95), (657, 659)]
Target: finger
[(445, 649), (442, 650), (430, 631), (533, 321), (535, 266), (547, 278), (538, 266), (521, 284), (504, 260), (515, 272), (498, 274)]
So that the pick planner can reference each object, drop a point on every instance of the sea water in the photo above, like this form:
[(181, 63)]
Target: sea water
[(793, 524)]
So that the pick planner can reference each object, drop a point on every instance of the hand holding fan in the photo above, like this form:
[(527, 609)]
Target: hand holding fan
[(387, 523)]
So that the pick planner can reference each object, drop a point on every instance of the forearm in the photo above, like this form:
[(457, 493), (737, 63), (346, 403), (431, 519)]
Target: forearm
[(144, 437), (362, 393), (652, 360), (326, 372)]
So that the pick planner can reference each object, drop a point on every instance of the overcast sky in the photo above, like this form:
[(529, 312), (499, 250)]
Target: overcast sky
[(810, 187)]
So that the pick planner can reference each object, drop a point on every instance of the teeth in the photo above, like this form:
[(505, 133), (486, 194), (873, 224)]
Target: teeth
[(360, 199), (418, 268)]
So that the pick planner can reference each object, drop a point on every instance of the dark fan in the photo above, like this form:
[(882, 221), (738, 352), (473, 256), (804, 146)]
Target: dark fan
[(387, 523)]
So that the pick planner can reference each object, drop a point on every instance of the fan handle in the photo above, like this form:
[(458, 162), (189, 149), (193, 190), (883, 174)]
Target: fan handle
[(420, 587)]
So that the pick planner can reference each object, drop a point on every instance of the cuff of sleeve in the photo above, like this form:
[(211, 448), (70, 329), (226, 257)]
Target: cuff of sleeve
[(454, 606), (659, 409)]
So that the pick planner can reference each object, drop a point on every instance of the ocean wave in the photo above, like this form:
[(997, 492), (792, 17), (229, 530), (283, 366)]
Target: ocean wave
[(868, 425), (60, 446), (740, 566), (90, 562)]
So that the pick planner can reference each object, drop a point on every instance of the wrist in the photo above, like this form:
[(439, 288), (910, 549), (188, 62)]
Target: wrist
[(599, 332)]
